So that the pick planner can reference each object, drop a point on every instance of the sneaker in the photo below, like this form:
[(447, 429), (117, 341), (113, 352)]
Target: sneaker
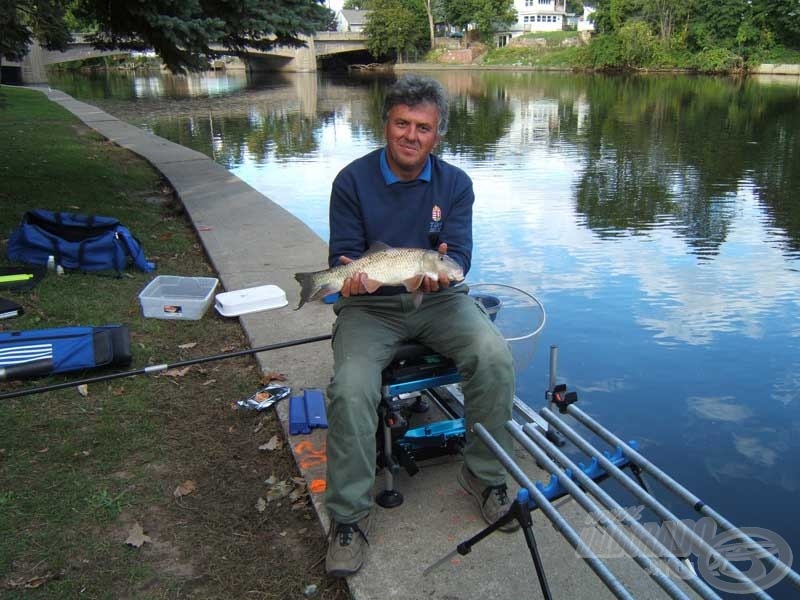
[(347, 547), (492, 499)]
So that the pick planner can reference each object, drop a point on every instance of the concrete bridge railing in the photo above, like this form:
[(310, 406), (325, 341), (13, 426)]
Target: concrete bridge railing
[(281, 58)]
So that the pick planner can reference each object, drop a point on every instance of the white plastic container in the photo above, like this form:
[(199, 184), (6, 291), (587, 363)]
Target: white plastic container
[(250, 300), (173, 297)]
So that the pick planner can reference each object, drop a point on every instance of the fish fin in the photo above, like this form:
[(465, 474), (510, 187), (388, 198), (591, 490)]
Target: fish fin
[(413, 283), (371, 285), (309, 291), (418, 296), (377, 247)]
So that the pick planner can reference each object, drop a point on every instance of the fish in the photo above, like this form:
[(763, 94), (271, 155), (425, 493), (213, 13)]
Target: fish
[(383, 265)]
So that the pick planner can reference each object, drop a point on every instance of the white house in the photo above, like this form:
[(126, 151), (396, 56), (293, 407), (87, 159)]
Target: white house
[(539, 15), (351, 20), (584, 22)]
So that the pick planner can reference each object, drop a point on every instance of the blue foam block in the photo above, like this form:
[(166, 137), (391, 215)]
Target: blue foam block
[(298, 417), (315, 408)]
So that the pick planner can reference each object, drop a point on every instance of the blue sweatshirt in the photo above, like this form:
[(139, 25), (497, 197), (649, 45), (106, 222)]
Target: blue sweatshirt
[(369, 204)]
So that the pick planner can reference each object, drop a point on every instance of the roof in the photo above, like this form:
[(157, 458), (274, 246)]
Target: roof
[(355, 17)]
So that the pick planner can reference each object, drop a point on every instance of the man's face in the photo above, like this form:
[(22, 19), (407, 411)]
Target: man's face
[(411, 135)]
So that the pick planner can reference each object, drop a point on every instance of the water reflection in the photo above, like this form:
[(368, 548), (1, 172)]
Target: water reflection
[(655, 217)]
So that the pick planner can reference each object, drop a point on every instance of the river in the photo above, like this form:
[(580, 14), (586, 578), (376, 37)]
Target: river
[(655, 216)]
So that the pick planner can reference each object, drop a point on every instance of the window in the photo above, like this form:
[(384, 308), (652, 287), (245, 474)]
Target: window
[(546, 2)]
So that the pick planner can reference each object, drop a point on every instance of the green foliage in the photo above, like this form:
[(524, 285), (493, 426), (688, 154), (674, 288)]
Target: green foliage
[(717, 60), (533, 57), (488, 15), (636, 44), (182, 33), (22, 19), (396, 26)]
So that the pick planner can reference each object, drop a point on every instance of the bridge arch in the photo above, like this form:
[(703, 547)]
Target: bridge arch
[(325, 43)]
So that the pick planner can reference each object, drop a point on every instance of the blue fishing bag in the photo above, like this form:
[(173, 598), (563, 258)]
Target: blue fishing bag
[(75, 241), (40, 352)]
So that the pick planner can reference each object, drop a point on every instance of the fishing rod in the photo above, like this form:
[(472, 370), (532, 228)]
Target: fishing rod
[(162, 367)]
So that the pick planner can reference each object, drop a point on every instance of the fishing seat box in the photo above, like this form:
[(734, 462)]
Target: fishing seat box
[(173, 297)]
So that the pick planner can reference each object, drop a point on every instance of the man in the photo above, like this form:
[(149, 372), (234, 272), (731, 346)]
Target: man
[(404, 196)]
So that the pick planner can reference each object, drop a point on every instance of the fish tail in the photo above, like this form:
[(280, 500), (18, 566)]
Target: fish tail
[(308, 287)]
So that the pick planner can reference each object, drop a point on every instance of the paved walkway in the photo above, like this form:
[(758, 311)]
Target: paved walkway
[(252, 241)]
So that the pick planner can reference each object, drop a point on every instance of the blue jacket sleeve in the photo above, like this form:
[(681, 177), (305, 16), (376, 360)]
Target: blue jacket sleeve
[(457, 228), (347, 235)]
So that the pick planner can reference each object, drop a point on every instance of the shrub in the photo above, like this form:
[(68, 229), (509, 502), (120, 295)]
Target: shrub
[(717, 60)]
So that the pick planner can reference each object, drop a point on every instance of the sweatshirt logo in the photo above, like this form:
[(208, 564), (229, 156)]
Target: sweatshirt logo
[(436, 220)]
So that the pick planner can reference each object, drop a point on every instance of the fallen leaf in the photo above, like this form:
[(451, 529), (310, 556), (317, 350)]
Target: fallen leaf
[(137, 537), (271, 480), (272, 376), (184, 489), (187, 345), (43, 450), (261, 505), (209, 382), (274, 443), (32, 583), (177, 372), (83, 390), (280, 490), (118, 391)]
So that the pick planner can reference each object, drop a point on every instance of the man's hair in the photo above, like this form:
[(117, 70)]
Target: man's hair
[(413, 90)]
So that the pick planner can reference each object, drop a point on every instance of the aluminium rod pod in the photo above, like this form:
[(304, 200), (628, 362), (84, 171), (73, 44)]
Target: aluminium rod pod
[(679, 490), (619, 536), (647, 499), (559, 523), (645, 536)]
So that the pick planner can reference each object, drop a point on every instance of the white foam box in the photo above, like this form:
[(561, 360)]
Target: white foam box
[(173, 297), (250, 300)]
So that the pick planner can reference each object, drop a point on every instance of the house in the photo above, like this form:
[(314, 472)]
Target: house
[(584, 21), (351, 20), (539, 15)]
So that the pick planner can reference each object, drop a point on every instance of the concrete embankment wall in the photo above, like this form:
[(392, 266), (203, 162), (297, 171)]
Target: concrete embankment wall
[(774, 69)]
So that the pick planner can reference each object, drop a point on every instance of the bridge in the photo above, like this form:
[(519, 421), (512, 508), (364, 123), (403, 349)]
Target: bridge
[(33, 67)]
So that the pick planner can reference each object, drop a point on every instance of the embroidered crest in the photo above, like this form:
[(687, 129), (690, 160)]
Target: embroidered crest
[(436, 214)]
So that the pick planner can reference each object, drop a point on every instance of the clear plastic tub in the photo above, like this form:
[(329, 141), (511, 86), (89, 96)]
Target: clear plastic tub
[(173, 297)]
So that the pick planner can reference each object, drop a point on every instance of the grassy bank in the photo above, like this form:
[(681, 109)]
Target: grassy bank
[(78, 472)]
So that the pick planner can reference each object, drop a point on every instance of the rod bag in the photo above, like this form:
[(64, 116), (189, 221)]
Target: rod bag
[(39, 352)]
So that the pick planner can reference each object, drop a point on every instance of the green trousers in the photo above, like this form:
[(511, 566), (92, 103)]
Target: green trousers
[(365, 334)]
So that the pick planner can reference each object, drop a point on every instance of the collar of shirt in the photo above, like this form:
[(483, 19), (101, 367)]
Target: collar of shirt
[(389, 177)]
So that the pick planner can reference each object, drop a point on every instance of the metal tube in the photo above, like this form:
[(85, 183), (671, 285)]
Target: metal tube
[(645, 536), (156, 368), (589, 505), (680, 491), (559, 523), (553, 369), (648, 500)]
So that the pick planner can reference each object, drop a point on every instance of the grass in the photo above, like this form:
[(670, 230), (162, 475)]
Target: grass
[(78, 472)]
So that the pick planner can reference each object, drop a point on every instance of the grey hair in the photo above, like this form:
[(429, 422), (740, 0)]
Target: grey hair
[(413, 90)]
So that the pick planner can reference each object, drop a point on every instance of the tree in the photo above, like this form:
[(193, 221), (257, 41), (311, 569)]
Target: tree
[(487, 15), (398, 26), (182, 33), (22, 20)]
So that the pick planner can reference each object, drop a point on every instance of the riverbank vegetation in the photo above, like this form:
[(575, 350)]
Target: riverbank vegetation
[(707, 36), (702, 35), (167, 458)]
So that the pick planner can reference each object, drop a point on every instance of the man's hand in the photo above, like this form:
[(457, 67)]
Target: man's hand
[(433, 285), (355, 285)]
